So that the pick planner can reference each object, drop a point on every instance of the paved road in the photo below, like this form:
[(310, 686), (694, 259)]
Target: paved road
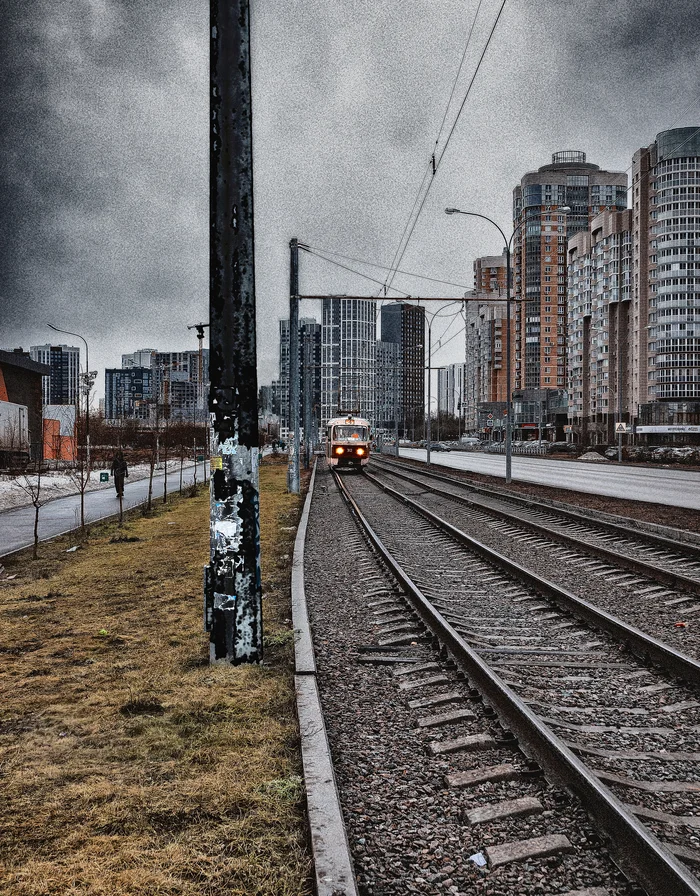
[(675, 486), (63, 514)]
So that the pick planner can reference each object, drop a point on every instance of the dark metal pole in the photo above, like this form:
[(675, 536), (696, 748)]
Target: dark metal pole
[(509, 397), (428, 433), (396, 407), (619, 379), (293, 439), (306, 380), (233, 593)]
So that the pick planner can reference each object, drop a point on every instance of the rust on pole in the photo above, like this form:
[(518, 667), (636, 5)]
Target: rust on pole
[(232, 582)]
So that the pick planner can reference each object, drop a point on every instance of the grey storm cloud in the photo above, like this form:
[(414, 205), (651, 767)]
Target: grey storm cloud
[(104, 144), (102, 167)]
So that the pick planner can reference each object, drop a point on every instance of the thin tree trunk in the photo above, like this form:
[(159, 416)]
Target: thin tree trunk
[(35, 552), (150, 485), (182, 460), (165, 479)]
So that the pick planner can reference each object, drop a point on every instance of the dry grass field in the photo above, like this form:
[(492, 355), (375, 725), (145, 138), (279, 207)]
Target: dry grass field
[(128, 764)]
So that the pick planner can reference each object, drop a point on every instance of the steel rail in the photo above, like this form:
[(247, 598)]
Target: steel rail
[(655, 573), (645, 647), (633, 846), (661, 541)]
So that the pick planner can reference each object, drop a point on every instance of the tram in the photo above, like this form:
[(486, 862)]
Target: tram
[(348, 442)]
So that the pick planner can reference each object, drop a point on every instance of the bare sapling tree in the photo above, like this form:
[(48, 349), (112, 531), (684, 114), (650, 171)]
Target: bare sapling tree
[(165, 442), (79, 473), (30, 481), (153, 454)]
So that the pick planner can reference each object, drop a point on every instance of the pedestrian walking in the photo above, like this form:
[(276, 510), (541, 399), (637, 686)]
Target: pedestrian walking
[(119, 471)]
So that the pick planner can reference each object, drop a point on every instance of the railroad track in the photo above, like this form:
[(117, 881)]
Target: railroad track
[(562, 677), (653, 573)]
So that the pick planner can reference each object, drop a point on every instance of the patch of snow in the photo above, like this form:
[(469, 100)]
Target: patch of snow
[(15, 491), (593, 456)]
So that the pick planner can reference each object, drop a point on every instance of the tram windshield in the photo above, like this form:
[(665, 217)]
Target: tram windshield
[(350, 432)]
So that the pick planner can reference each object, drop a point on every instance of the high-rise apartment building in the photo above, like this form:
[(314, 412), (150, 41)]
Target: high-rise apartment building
[(176, 385), (485, 342), (388, 410), (490, 275), (599, 293), (404, 326), (540, 258), (140, 358), (309, 372), (62, 385), (348, 357), (665, 300), (451, 390), (485, 375), (154, 386), (128, 393)]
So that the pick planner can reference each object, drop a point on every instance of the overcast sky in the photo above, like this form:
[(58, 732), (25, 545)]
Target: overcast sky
[(104, 139)]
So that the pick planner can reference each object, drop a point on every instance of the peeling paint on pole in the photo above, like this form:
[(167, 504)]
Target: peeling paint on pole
[(232, 582)]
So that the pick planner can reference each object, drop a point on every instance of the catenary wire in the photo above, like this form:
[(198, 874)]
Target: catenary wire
[(385, 267), (436, 164), (352, 270)]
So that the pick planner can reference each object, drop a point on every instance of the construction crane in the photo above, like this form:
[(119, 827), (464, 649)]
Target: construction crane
[(200, 378)]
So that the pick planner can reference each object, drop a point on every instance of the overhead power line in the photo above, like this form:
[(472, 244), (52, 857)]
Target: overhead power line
[(437, 160), (383, 267)]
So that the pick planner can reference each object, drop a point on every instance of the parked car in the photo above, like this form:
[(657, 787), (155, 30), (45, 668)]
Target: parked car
[(682, 453), (562, 448), (439, 446)]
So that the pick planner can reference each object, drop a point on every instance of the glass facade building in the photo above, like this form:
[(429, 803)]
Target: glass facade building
[(348, 357)]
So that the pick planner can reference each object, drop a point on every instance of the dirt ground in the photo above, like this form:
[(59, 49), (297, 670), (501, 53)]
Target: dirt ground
[(129, 764)]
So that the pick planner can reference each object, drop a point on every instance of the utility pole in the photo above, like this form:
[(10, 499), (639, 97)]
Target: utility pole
[(307, 384), (293, 439), (232, 581)]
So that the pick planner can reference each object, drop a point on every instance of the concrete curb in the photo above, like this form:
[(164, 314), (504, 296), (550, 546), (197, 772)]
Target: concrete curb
[(329, 842)]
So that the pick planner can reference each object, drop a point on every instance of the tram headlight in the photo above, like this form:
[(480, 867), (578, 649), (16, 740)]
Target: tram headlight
[(340, 450), (360, 451)]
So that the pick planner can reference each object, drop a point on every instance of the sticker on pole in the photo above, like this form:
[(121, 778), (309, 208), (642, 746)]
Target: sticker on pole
[(620, 427), (217, 462)]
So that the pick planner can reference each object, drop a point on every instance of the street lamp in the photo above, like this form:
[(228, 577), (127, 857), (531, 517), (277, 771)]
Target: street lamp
[(90, 376), (507, 241)]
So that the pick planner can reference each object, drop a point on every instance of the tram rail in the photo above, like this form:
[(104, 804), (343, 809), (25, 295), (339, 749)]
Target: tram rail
[(636, 848)]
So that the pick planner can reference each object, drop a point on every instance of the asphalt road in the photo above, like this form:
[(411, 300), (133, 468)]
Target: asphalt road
[(674, 486), (63, 514)]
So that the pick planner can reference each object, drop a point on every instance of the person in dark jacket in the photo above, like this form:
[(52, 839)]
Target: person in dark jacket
[(119, 470)]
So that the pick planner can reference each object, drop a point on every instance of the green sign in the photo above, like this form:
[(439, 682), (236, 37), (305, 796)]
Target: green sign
[(200, 457), (104, 477)]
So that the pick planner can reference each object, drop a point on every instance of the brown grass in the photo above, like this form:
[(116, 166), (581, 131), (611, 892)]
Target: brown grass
[(129, 765)]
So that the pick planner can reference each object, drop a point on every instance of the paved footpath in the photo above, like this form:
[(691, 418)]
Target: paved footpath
[(63, 514)]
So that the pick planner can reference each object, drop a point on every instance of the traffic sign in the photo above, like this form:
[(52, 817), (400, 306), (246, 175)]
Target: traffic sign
[(104, 477), (620, 427)]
